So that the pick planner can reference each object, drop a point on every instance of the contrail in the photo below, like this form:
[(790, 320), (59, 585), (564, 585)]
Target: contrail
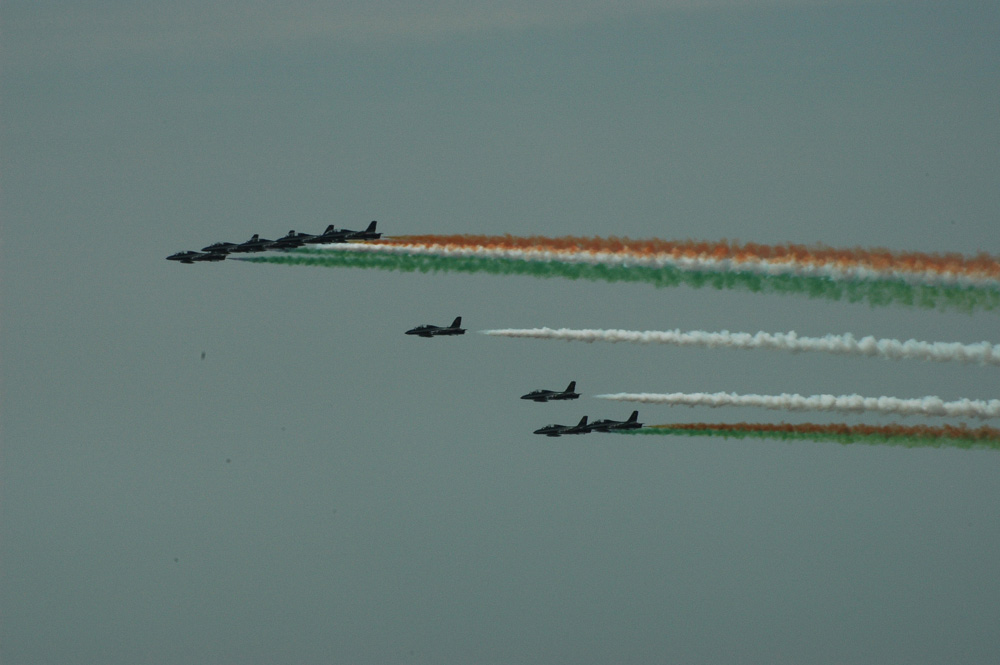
[(873, 292), (924, 406), (954, 436), (894, 349)]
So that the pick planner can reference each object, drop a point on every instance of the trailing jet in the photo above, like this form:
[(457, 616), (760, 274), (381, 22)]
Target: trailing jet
[(220, 247), (291, 240), (184, 257), (255, 244), (559, 430), (329, 236), (547, 395), (433, 331), (612, 425), (367, 234)]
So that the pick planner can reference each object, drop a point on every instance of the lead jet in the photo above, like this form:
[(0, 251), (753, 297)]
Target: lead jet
[(548, 395), (291, 240), (612, 425), (367, 234), (559, 430), (429, 330), (184, 257), (255, 244), (329, 236)]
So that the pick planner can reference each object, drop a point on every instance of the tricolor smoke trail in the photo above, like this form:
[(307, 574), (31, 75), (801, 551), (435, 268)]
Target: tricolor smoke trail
[(551, 249), (983, 352), (924, 406), (957, 436), (873, 291), (946, 267)]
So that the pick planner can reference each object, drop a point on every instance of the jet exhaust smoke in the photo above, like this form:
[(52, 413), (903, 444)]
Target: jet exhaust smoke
[(874, 292), (919, 436), (923, 406), (894, 349)]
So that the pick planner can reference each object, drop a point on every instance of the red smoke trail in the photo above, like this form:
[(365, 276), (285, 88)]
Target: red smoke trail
[(980, 265)]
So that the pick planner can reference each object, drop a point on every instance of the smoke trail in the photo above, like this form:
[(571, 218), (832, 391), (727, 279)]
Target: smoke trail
[(702, 263), (924, 406), (983, 352), (875, 293), (982, 264), (958, 436)]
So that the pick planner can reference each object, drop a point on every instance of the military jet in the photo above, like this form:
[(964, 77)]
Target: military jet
[(547, 395), (612, 425), (559, 430), (291, 240), (367, 234), (220, 247), (184, 257), (329, 236), (255, 244), (210, 256), (433, 331)]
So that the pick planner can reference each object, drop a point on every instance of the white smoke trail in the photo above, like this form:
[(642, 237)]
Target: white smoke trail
[(923, 406), (894, 349), (687, 263)]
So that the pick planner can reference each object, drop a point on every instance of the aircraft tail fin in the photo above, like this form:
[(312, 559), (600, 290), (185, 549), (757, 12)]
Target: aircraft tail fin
[(458, 320), (330, 229), (255, 237), (571, 387), (633, 418), (371, 228), (583, 421)]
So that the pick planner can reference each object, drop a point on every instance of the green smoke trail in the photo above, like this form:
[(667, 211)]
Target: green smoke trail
[(871, 438), (874, 292)]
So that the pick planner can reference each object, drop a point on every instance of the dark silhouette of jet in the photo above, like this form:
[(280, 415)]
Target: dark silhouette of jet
[(221, 247), (547, 395), (291, 240), (255, 244), (330, 235), (367, 234), (559, 430), (612, 425), (210, 256), (184, 257), (433, 331)]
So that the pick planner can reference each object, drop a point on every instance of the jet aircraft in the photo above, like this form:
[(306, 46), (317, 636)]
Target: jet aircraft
[(559, 430), (255, 244), (291, 240), (184, 257), (547, 395), (330, 235), (210, 256), (611, 425), (367, 234), (429, 330), (221, 247)]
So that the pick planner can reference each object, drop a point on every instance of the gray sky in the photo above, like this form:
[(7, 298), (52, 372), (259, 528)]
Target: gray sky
[(320, 488)]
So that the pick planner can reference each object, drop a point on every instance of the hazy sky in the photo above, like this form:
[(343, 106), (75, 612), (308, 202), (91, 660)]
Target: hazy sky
[(319, 488)]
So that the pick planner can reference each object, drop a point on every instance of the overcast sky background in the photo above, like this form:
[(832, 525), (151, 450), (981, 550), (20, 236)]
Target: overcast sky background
[(320, 488)]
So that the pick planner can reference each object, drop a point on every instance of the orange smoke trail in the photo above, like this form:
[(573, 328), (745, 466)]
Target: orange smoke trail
[(980, 265)]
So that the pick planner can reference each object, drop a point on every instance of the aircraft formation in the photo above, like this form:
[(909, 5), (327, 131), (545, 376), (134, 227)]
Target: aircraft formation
[(583, 427), (606, 425), (220, 250)]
